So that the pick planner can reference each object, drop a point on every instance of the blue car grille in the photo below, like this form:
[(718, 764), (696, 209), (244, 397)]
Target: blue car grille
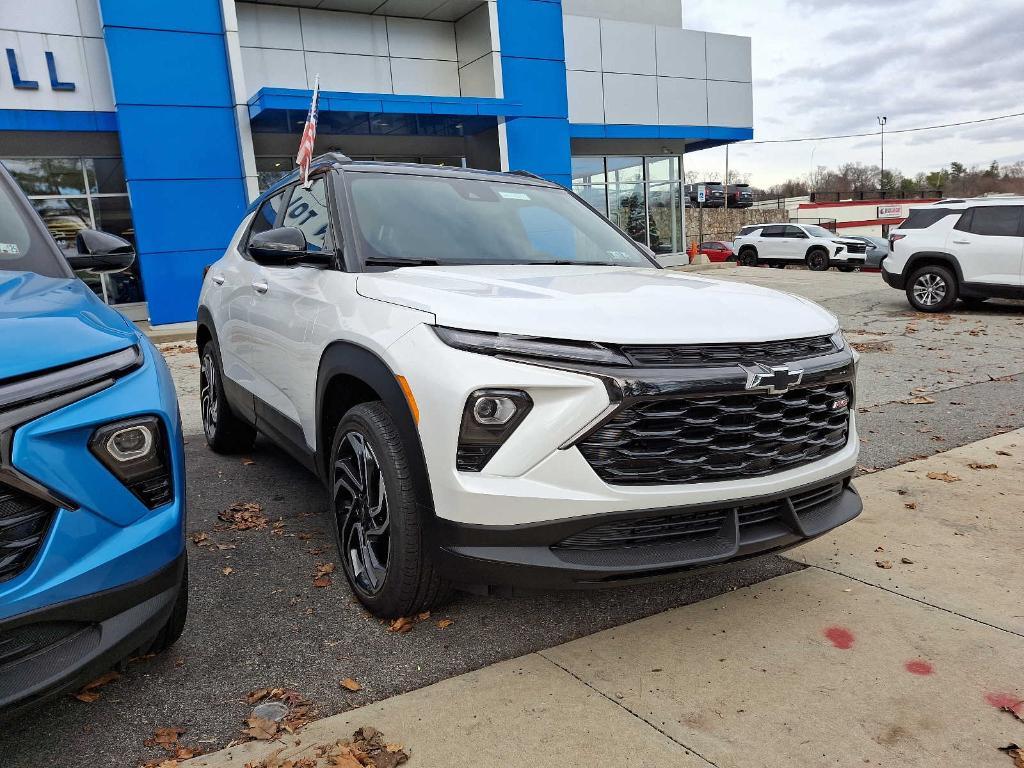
[(24, 521)]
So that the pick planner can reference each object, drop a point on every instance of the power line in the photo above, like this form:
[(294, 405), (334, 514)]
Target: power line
[(875, 133)]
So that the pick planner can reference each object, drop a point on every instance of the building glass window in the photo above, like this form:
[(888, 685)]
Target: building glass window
[(75, 193), (641, 195), (271, 169)]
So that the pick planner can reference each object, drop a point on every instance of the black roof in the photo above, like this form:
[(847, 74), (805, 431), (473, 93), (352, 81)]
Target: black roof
[(331, 160)]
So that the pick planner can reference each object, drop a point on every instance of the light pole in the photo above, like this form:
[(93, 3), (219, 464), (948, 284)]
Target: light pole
[(881, 174)]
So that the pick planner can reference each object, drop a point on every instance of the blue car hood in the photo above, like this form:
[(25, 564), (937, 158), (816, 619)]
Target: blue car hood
[(47, 322)]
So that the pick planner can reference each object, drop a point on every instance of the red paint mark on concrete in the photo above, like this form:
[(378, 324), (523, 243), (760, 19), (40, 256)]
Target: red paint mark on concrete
[(840, 637), (1007, 701), (919, 667)]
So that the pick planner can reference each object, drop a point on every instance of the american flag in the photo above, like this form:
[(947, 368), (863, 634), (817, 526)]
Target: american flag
[(308, 135)]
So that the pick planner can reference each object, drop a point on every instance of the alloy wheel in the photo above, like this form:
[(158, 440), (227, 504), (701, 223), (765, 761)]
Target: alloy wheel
[(361, 508), (929, 289), (208, 399)]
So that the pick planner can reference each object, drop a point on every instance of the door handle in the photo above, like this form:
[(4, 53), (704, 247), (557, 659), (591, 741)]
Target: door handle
[(962, 242), (260, 286), (218, 279)]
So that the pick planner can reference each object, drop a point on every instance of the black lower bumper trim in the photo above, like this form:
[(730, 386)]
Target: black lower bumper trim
[(893, 281), (577, 554), (59, 648)]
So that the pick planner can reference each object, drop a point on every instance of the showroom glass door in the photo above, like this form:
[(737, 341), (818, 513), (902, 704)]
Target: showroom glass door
[(74, 193)]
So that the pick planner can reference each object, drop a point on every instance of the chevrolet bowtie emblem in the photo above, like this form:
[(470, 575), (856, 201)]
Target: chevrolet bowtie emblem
[(775, 379)]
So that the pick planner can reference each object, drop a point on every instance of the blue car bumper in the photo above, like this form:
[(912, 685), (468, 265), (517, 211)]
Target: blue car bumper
[(106, 575)]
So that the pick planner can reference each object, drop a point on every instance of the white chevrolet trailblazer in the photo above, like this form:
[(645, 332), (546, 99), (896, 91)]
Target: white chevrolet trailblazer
[(780, 245), (500, 389)]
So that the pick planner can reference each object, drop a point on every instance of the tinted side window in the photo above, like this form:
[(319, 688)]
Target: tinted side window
[(795, 232), (997, 221), (776, 230), (308, 211), (267, 214), (924, 218)]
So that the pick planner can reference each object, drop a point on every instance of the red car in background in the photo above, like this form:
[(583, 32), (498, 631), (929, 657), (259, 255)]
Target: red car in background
[(716, 250)]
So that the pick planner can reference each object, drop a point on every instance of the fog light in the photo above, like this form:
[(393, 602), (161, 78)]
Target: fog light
[(136, 452), (131, 443), (493, 410)]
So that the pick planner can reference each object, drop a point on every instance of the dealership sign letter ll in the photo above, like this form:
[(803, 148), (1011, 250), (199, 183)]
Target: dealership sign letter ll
[(33, 85)]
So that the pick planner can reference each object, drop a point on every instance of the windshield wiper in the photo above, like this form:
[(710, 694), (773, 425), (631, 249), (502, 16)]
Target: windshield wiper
[(400, 262), (572, 263)]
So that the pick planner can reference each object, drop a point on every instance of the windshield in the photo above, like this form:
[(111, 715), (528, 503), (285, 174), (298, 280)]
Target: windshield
[(24, 245), (815, 231), (408, 219)]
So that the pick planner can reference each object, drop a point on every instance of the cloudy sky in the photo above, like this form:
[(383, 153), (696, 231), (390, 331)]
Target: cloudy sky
[(825, 67)]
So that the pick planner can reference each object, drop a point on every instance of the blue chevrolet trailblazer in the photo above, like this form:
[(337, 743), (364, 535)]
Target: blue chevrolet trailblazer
[(92, 477)]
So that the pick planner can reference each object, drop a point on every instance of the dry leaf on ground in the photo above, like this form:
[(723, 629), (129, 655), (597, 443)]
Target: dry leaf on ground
[(1003, 453), (261, 729), (444, 623), (244, 516), (199, 538), (90, 691), (165, 737), (920, 400), (910, 504), (322, 577), (943, 476), (886, 564), (350, 685), (980, 465), (1015, 752), (228, 571)]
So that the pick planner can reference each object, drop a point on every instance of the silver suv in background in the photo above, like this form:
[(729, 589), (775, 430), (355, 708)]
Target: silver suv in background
[(967, 249)]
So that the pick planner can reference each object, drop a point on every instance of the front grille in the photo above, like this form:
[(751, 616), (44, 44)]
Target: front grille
[(689, 527), (727, 437), (705, 355), (24, 521), (856, 248)]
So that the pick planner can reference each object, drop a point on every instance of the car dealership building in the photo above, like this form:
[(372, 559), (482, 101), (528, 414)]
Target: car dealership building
[(161, 121)]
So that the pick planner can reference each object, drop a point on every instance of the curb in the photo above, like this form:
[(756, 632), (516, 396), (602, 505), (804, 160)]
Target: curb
[(704, 267), (166, 333)]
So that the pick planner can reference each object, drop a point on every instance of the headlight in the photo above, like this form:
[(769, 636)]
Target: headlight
[(136, 453), (489, 418), (486, 343), (839, 340)]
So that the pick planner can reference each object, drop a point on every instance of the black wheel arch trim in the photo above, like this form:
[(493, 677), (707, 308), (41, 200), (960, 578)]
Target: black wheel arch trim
[(241, 400), (947, 258), (345, 358)]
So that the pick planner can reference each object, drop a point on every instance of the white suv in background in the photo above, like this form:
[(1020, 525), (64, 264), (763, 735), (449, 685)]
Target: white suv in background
[(499, 388), (971, 250), (782, 244)]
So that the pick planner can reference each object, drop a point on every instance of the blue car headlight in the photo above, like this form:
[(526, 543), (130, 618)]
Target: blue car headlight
[(137, 453)]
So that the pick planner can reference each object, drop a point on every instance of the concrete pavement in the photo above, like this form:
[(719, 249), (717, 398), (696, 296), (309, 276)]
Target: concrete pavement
[(845, 663)]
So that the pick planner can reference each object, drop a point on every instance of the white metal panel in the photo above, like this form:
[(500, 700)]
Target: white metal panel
[(98, 74), (627, 47), (582, 42), (57, 17), (586, 96), (268, 26), (473, 35), (478, 77), (334, 32), (344, 72), (273, 68), (422, 76), (356, 6), (682, 101), (89, 18), (419, 39), (631, 99), (69, 55), (681, 53), (730, 104), (728, 58)]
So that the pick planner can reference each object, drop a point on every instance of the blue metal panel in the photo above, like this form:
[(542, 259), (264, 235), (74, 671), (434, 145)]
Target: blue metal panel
[(177, 15), (153, 151), (168, 68), (55, 120), (179, 139), (533, 75)]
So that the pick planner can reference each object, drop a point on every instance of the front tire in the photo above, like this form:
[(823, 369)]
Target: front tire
[(747, 257), (225, 432), (817, 260), (376, 517), (932, 289), (846, 268)]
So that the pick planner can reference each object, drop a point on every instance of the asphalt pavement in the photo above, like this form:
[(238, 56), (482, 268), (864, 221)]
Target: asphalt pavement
[(257, 620)]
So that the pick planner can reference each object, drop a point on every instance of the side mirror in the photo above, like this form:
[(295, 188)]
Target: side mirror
[(100, 252), (277, 247)]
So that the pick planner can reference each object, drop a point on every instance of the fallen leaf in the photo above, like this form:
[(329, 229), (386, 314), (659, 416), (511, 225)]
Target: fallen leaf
[(1017, 753), (1003, 453), (200, 538), (424, 616), (943, 476), (979, 465), (247, 462), (886, 564), (444, 623), (350, 685), (919, 400), (244, 516), (261, 729), (228, 571), (401, 625), (320, 582), (164, 737), (90, 691), (906, 561)]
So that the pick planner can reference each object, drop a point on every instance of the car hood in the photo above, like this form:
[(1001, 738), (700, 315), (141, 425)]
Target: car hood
[(48, 322), (608, 304)]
